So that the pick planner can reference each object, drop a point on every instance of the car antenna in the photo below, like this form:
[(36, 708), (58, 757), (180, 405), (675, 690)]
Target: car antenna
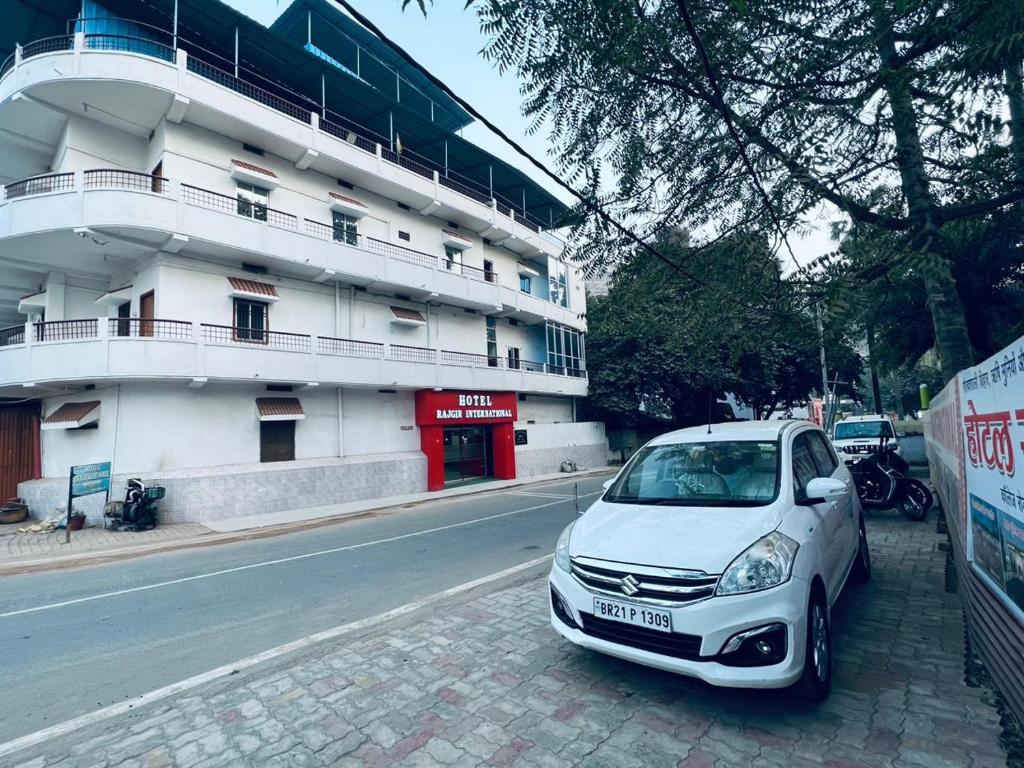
[(709, 411)]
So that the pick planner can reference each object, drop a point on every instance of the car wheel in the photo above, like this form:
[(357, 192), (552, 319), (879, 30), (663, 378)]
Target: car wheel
[(816, 682), (862, 564)]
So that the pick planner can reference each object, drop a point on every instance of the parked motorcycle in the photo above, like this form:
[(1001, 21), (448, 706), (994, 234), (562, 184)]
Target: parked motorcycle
[(138, 511), (882, 483)]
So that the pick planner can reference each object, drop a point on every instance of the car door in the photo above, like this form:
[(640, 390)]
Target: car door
[(829, 531), (829, 466)]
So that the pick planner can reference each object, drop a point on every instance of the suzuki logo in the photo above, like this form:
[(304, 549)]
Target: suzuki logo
[(630, 586)]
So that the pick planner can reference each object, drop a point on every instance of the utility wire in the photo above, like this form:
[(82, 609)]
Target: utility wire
[(587, 202)]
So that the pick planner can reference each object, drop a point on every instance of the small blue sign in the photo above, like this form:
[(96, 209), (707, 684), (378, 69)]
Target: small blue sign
[(88, 479)]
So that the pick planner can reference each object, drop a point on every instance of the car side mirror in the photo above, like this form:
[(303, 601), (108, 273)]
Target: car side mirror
[(607, 484), (824, 489)]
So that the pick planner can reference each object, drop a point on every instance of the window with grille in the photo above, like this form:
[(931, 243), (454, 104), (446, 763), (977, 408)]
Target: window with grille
[(492, 342), (251, 321), (346, 229), (253, 201)]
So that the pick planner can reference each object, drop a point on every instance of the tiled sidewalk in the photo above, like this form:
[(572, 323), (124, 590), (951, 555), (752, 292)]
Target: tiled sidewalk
[(16, 548), (486, 681)]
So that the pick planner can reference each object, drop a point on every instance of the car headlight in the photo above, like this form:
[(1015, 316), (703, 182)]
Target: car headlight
[(562, 549), (766, 563)]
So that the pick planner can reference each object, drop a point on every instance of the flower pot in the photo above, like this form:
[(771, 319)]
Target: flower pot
[(76, 523)]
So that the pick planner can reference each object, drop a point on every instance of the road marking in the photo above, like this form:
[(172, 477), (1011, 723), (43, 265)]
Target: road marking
[(99, 715), (539, 495), (293, 558)]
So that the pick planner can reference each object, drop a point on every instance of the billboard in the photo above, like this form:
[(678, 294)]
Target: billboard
[(992, 418)]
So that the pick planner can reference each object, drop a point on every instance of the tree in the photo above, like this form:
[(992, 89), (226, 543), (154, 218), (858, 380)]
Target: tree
[(654, 344), (854, 102)]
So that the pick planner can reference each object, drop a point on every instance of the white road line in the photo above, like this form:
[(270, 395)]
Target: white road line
[(99, 715), (279, 561), (539, 495)]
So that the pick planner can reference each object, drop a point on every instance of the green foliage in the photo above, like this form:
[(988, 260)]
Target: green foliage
[(656, 343)]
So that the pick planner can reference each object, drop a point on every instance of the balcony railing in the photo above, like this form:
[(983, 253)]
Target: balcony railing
[(139, 328), (200, 61), (39, 185), (66, 330), (401, 252), (146, 328), (116, 178), (227, 334)]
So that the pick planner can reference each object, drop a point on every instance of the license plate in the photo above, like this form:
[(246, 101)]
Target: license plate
[(637, 615)]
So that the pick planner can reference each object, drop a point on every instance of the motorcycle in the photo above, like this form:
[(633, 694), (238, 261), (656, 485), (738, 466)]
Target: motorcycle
[(882, 483), (138, 511)]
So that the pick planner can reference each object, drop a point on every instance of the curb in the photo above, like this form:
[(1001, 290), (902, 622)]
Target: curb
[(278, 529)]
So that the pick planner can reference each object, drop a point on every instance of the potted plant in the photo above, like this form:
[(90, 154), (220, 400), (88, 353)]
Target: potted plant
[(77, 520)]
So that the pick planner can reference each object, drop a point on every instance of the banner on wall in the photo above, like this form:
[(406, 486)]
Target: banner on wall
[(992, 415)]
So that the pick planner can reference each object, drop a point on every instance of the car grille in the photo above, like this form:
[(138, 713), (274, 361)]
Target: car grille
[(672, 644), (657, 586)]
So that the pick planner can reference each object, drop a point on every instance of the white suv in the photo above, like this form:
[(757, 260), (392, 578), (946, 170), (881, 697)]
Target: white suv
[(856, 436), (717, 554)]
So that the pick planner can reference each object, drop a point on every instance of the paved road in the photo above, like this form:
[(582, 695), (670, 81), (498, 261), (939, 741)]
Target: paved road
[(72, 658)]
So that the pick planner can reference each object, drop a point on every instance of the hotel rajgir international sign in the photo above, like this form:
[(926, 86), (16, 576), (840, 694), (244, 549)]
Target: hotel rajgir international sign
[(992, 415)]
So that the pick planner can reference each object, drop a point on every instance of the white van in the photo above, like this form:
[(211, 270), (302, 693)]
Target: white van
[(854, 436)]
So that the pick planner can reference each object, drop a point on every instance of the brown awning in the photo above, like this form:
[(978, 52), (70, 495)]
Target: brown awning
[(253, 288), (254, 168), (279, 409), (73, 415), (408, 315)]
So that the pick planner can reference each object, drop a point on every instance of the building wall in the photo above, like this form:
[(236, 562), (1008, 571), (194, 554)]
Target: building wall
[(544, 410), (549, 445)]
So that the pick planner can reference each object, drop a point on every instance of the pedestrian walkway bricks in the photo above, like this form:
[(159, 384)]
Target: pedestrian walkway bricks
[(486, 681), (16, 547)]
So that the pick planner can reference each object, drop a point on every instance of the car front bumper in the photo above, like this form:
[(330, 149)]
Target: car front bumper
[(715, 620)]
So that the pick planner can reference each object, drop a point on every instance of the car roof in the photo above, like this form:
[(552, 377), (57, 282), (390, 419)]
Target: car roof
[(730, 430), (867, 417)]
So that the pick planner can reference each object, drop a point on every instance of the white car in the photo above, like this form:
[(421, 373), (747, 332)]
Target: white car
[(717, 554), (856, 436)]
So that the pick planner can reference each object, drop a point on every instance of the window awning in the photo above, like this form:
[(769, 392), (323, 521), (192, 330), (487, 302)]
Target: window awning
[(456, 240), (73, 415), (279, 409), (348, 206), (405, 316), (252, 289), (116, 297), (32, 304), (254, 174), (526, 270)]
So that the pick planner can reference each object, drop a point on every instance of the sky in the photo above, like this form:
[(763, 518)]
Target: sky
[(448, 43)]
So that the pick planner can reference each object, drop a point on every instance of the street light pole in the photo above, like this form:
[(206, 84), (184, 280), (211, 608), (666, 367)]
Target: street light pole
[(824, 368)]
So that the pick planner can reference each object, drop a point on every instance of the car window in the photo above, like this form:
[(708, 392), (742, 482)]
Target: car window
[(804, 469), (822, 452), (848, 430), (723, 473)]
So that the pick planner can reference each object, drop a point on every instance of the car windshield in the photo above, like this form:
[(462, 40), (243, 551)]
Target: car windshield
[(847, 430), (725, 473)]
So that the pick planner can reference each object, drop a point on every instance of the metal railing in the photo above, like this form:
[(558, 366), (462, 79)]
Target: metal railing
[(228, 334), (331, 232), (129, 44), (448, 357), (527, 365), (254, 92), (121, 327), (400, 252), (205, 198), (328, 345), (66, 330), (458, 186), (14, 334), (38, 185), (412, 354), (121, 179), (351, 135), (47, 45)]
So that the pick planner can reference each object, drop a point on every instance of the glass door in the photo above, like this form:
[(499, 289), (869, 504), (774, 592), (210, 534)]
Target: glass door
[(467, 455)]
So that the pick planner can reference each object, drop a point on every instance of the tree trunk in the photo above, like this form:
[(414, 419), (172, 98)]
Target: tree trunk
[(952, 343)]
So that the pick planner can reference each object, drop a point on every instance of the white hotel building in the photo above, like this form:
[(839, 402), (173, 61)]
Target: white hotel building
[(260, 267)]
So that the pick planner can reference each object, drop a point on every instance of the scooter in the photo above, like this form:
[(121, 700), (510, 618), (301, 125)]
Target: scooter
[(882, 483), (138, 511)]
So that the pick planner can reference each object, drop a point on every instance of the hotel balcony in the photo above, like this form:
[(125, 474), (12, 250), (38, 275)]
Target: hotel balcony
[(67, 221), (66, 74), (95, 350)]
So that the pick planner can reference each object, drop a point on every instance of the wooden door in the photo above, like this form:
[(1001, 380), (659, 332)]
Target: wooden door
[(19, 447), (147, 303)]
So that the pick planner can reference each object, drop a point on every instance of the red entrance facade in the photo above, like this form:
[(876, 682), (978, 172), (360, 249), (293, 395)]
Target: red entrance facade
[(437, 412)]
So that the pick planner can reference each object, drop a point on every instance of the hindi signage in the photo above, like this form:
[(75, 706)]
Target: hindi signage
[(992, 413)]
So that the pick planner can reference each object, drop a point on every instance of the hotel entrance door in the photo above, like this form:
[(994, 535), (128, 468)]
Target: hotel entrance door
[(467, 454)]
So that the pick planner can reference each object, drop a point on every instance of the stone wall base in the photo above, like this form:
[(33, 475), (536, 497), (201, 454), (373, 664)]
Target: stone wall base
[(531, 462)]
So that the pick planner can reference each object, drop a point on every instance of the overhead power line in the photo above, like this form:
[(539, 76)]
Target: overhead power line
[(585, 199)]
